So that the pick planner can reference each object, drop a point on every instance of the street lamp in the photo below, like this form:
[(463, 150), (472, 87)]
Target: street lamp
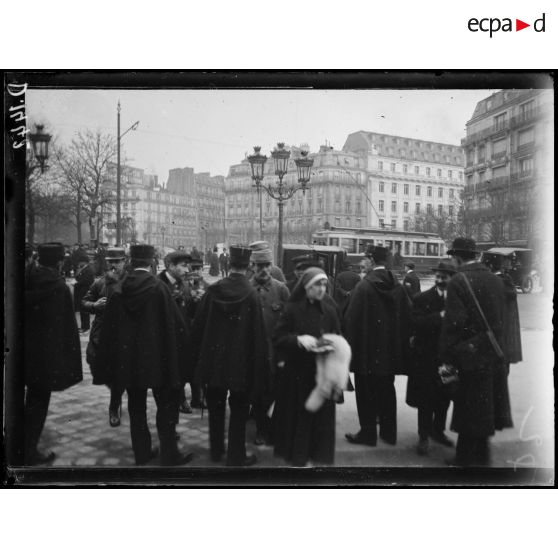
[(279, 191), (119, 136), (39, 142), (205, 228)]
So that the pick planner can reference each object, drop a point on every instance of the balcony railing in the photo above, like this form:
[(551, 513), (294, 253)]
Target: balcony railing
[(485, 132), (499, 156), (525, 117), (490, 184)]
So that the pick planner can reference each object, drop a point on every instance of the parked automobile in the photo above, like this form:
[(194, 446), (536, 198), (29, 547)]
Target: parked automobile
[(517, 263)]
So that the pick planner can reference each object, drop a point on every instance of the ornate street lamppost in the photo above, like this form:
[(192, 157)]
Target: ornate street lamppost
[(39, 143), (163, 238), (279, 191)]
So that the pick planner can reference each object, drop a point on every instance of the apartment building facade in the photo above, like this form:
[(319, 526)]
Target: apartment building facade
[(508, 170)]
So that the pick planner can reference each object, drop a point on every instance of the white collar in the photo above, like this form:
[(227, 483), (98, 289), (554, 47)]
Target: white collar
[(379, 267), (171, 279), (410, 270), (142, 269)]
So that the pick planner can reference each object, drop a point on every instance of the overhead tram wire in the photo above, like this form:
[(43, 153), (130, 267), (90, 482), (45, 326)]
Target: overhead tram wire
[(362, 188)]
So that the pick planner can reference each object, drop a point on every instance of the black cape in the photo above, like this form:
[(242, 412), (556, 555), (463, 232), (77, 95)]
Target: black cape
[(228, 333), (142, 343), (52, 358)]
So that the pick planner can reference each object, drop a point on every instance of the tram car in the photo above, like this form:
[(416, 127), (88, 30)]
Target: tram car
[(424, 249)]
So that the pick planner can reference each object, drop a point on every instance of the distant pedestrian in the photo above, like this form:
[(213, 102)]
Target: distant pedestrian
[(229, 334), (94, 302), (471, 341), (377, 324), (224, 261), (300, 435), (195, 253), (411, 281), (424, 389), (84, 279), (52, 359), (142, 347), (214, 263)]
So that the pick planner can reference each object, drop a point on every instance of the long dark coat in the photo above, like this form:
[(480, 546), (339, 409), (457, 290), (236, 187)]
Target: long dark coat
[(423, 385), (52, 359), (481, 404), (377, 325), (84, 280), (300, 435), (512, 330), (142, 342), (214, 264), (180, 294), (345, 282), (229, 336), (102, 287)]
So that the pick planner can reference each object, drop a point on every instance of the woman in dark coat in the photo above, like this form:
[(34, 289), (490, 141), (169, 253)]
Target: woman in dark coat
[(214, 263), (301, 436)]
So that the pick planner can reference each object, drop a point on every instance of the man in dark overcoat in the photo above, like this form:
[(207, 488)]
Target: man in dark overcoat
[(174, 277), (345, 282), (224, 263), (424, 389), (229, 335), (273, 297), (411, 280), (95, 302), (143, 347), (377, 328), (52, 360), (465, 344), (85, 276)]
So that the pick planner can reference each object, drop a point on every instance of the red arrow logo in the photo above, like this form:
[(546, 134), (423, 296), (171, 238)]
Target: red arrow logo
[(519, 25)]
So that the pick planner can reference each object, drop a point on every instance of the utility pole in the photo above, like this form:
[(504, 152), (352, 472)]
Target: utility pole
[(118, 222)]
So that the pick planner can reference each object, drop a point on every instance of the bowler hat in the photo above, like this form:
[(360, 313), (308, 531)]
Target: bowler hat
[(179, 256), (377, 253), (115, 254), (409, 264), (142, 252), (261, 256), (50, 253), (444, 267), (463, 245), (240, 255)]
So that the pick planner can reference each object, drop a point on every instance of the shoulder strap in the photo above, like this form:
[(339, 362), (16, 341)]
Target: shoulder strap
[(491, 336)]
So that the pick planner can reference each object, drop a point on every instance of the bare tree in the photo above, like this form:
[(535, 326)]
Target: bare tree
[(85, 164)]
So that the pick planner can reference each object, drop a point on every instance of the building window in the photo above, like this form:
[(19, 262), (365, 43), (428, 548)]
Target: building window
[(406, 228), (392, 167), (526, 166), (406, 189), (337, 221), (405, 168), (358, 207), (439, 173), (382, 225), (347, 207), (417, 190), (394, 207), (393, 188), (381, 187), (348, 221), (499, 148), (500, 121), (393, 224), (380, 165), (405, 207), (440, 210), (450, 210), (440, 192), (526, 110), (427, 171), (429, 191), (525, 137), (451, 193), (417, 208), (460, 175), (429, 208), (381, 205), (450, 174), (417, 170)]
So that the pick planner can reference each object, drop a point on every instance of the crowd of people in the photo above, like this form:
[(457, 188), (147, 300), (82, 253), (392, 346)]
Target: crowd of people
[(280, 349)]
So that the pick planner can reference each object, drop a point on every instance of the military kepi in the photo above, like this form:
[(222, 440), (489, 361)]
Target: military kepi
[(240, 255), (50, 253), (179, 256), (142, 252)]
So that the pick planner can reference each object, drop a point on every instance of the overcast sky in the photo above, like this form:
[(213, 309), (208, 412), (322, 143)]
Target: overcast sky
[(212, 129)]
